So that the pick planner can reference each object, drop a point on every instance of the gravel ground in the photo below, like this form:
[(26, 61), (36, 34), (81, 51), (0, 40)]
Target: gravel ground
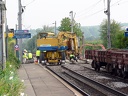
[(99, 77), (82, 86)]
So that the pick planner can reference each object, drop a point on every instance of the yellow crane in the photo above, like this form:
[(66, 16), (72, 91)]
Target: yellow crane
[(55, 49)]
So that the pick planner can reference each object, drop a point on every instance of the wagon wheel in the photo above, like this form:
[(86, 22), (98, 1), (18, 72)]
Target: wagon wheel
[(124, 73), (92, 64), (115, 69), (119, 72), (59, 62), (96, 66), (42, 57), (110, 68), (63, 57)]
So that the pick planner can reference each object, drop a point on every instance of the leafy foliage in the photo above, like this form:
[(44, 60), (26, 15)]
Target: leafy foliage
[(12, 59), (10, 84), (103, 32), (30, 45), (66, 26), (115, 30), (122, 41), (47, 29)]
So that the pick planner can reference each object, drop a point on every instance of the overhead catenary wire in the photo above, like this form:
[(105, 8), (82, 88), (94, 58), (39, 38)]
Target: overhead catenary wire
[(104, 5), (86, 15), (85, 11), (94, 13), (118, 2), (30, 3), (24, 12), (125, 2)]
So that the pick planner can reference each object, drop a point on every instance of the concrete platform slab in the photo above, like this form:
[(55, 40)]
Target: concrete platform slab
[(39, 82)]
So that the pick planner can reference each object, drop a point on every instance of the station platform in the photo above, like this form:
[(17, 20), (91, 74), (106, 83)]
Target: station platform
[(40, 82)]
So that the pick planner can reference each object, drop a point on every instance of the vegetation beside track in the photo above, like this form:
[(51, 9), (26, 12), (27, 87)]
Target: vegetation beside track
[(10, 83)]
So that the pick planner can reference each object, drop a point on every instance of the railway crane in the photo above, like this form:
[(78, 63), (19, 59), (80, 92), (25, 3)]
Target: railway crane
[(55, 49)]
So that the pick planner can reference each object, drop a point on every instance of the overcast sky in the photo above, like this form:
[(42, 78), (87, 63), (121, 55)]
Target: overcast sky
[(45, 12)]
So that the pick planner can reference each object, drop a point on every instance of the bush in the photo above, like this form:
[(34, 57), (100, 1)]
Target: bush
[(10, 84), (13, 60)]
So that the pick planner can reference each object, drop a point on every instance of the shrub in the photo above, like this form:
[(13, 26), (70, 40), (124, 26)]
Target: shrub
[(12, 59), (10, 84)]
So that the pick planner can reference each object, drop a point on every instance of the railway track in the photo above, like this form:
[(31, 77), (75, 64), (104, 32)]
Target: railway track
[(102, 71), (85, 85), (60, 74), (98, 86)]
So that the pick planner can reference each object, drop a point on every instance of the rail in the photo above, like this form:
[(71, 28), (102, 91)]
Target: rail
[(83, 79), (71, 84)]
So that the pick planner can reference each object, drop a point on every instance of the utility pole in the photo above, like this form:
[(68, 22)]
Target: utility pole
[(107, 12), (109, 31), (83, 52), (2, 39), (71, 12), (55, 27), (72, 19), (4, 30), (20, 28), (6, 41)]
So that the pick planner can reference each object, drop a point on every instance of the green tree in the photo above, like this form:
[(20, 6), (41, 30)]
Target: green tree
[(30, 45), (115, 30), (77, 29), (66, 26), (122, 41), (47, 29)]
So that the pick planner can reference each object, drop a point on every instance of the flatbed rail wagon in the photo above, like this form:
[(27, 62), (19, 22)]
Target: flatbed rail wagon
[(114, 61)]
